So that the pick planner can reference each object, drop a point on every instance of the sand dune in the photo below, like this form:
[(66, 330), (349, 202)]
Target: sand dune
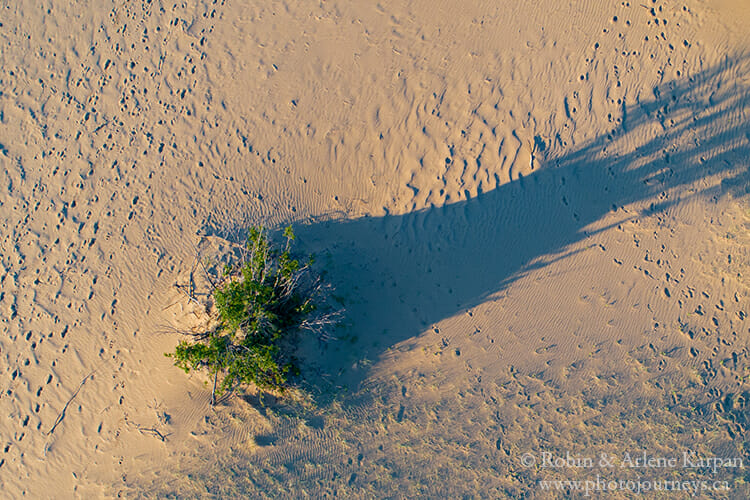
[(536, 215)]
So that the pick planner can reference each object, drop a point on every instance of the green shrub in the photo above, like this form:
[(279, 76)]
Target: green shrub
[(261, 303)]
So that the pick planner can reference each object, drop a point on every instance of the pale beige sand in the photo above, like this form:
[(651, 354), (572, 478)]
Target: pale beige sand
[(535, 212)]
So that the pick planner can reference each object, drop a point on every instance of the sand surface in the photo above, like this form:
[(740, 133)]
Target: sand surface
[(535, 214)]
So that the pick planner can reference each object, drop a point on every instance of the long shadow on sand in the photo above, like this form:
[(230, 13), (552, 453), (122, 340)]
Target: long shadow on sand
[(400, 274)]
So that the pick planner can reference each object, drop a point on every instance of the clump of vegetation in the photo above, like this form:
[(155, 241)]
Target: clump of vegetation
[(261, 305)]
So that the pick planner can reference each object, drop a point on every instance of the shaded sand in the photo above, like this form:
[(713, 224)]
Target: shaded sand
[(535, 214)]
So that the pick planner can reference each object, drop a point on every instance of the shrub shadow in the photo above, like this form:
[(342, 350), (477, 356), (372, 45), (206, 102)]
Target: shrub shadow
[(400, 274)]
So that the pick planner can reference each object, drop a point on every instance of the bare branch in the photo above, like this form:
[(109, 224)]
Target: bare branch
[(190, 295), (61, 416)]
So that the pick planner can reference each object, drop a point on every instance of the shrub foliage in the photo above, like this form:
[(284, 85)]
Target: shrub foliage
[(261, 303)]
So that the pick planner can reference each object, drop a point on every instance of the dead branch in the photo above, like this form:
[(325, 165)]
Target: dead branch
[(154, 432), (190, 295), (61, 416)]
